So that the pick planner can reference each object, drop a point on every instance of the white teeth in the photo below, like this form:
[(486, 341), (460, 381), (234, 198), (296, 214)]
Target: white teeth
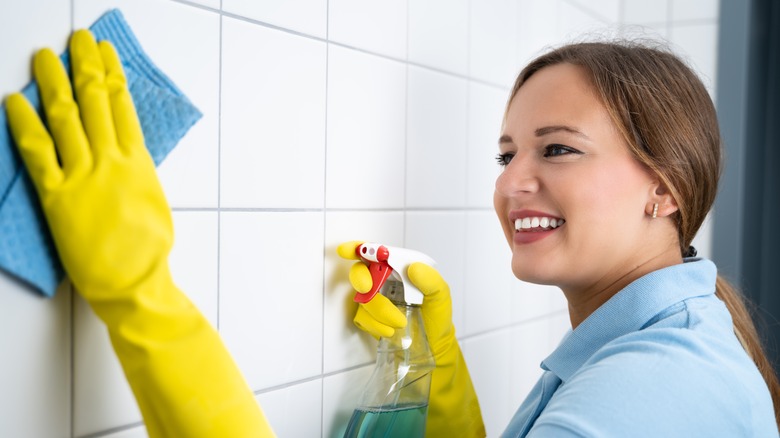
[(537, 222)]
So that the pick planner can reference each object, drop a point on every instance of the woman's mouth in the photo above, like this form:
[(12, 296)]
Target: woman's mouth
[(537, 223)]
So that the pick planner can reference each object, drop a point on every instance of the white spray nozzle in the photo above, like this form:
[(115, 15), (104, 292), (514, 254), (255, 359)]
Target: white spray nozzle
[(389, 261)]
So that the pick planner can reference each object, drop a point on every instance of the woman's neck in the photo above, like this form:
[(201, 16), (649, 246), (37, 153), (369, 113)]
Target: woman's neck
[(585, 299)]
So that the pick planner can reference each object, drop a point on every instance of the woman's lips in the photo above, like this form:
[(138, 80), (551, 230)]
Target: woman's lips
[(531, 226)]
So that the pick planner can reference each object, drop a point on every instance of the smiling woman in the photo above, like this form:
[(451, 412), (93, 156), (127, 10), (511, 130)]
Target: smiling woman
[(611, 156)]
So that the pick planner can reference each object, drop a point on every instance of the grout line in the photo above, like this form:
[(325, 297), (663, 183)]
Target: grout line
[(219, 171), (472, 336), (321, 377), (404, 221), (465, 242), (512, 325), (72, 303), (324, 219), (200, 6), (346, 46), (332, 210), (72, 298), (112, 430)]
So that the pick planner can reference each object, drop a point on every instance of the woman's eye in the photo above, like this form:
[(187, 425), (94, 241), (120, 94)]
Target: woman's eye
[(555, 150), (504, 159)]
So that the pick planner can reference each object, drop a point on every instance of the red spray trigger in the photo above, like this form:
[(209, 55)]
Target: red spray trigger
[(376, 257)]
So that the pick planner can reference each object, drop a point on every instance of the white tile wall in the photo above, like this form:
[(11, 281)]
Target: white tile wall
[(366, 130), (324, 121), (436, 139), (378, 27), (440, 40)]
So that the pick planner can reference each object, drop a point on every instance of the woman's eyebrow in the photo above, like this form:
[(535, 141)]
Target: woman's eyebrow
[(558, 128), (541, 132), (505, 139)]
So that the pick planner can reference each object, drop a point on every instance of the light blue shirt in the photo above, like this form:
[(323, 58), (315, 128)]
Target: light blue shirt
[(658, 359)]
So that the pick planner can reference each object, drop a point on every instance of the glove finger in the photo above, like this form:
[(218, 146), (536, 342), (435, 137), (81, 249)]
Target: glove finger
[(360, 278), (34, 143), (364, 321), (89, 80), (428, 280), (347, 250), (62, 113), (384, 311), (128, 128)]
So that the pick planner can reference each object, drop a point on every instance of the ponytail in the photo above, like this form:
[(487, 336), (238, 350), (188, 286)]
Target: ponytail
[(748, 336)]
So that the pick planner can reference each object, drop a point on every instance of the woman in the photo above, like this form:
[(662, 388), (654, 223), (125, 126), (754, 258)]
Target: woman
[(620, 143), (611, 157)]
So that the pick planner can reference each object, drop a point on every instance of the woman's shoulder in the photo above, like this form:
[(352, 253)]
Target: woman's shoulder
[(675, 372)]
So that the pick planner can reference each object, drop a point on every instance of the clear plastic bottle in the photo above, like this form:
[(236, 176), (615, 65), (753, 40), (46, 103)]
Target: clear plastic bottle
[(395, 401)]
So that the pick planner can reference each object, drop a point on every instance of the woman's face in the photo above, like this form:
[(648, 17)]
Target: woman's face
[(571, 199)]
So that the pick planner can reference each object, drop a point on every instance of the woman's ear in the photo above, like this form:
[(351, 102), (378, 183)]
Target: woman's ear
[(661, 202)]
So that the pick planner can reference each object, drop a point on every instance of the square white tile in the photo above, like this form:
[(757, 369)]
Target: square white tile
[(294, 410), (273, 118), (36, 344), (102, 398), (340, 395), (488, 360), (493, 36), (698, 44), (439, 34), (434, 233), (366, 144), (26, 28), (345, 345), (643, 11), (305, 16), (537, 28), (188, 53), (577, 24), (489, 278), (486, 114), (131, 432), (703, 240), (531, 300), (529, 344), (193, 259), (695, 9), (436, 140), (607, 11), (270, 286), (378, 27)]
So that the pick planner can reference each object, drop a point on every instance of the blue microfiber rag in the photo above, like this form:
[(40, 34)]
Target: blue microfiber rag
[(26, 247)]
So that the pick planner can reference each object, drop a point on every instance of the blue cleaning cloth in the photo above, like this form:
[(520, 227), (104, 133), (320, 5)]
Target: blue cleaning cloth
[(26, 247)]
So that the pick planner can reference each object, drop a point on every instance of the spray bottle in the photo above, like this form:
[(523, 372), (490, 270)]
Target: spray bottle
[(395, 401)]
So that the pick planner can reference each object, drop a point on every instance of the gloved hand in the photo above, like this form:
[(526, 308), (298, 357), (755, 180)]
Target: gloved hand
[(113, 230), (453, 408)]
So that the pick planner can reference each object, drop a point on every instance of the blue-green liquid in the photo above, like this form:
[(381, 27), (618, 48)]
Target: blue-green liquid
[(400, 422)]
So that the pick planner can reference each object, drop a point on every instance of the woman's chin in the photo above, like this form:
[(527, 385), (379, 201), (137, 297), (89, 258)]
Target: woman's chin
[(528, 274)]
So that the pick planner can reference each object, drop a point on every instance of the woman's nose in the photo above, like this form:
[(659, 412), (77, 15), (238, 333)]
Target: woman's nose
[(519, 176)]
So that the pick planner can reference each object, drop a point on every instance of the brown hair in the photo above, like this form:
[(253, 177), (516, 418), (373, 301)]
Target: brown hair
[(667, 118)]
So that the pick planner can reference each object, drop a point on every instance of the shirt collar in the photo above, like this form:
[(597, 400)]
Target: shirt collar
[(629, 310)]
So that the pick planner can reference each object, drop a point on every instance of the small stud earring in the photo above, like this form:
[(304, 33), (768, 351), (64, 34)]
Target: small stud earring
[(655, 211)]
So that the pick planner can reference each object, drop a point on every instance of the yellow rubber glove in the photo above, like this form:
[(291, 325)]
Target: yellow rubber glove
[(453, 408), (113, 230)]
